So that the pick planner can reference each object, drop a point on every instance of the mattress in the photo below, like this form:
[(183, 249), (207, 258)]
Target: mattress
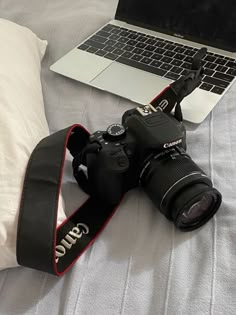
[(140, 264)]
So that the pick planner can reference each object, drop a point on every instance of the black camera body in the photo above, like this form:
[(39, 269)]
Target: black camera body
[(148, 150), (125, 149)]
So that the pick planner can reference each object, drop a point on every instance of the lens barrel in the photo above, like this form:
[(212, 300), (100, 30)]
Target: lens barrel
[(180, 189)]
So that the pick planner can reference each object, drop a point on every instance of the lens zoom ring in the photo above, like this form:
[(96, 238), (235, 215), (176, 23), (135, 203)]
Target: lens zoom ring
[(161, 175)]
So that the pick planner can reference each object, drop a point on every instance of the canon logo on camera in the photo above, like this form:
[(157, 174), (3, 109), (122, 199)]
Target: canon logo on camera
[(171, 144)]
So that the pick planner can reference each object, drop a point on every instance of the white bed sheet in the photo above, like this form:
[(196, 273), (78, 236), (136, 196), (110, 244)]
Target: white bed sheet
[(140, 264)]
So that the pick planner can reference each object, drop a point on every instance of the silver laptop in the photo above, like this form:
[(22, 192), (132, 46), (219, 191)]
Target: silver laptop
[(151, 43)]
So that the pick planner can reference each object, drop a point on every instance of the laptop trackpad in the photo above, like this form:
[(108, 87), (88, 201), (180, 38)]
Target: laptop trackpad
[(134, 84)]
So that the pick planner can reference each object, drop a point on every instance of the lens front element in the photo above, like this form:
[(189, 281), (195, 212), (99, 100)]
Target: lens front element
[(197, 210), (180, 189)]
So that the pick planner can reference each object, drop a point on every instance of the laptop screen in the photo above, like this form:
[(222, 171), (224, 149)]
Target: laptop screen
[(211, 22)]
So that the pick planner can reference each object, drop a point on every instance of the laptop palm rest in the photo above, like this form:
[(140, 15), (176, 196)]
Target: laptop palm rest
[(134, 84)]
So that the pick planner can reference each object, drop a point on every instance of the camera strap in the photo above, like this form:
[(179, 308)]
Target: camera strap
[(171, 97), (41, 244)]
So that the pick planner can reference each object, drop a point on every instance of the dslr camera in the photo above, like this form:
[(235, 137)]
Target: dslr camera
[(148, 149)]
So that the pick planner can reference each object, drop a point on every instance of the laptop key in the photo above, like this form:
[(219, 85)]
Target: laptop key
[(169, 53), (221, 68), (98, 39), (223, 76), (215, 81), (230, 59), (185, 72), (114, 37), (141, 45), (123, 40), (157, 56), (132, 42), (220, 61), (128, 54), (133, 32), (210, 65), (189, 52), (133, 36), (150, 47), (210, 58), (100, 52), (156, 64), (135, 57), (124, 34), (187, 65), (92, 49), (232, 72), (160, 50), (119, 45), (206, 86), (146, 60), (115, 31), (147, 53), (231, 64), (111, 56), (83, 47), (208, 71), (217, 90), (188, 59), (138, 51), (142, 38), (176, 62), (165, 66), (118, 51), (166, 59), (169, 47), (141, 66), (109, 48), (103, 34), (108, 27), (176, 69), (94, 44), (151, 41), (110, 42), (160, 44), (172, 76), (128, 48), (179, 50), (179, 56)]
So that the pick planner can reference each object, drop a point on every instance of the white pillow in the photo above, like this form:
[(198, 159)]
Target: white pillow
[(22, 125)]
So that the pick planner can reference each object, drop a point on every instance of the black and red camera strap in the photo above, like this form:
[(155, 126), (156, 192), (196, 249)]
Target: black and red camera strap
[(43, 245), (40, 244)]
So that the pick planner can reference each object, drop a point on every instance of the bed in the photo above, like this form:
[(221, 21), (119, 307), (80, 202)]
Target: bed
[(140, 264)]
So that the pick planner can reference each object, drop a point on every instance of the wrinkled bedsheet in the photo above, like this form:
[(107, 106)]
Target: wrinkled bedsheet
[(140, 264)]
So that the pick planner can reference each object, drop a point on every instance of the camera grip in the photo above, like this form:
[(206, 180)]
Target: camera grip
[(106, 171)]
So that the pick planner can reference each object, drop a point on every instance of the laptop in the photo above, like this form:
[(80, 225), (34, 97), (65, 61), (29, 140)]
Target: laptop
[(151, 43)]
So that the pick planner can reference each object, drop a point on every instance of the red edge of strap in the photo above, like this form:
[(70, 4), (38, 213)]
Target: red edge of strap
[(162, 92)]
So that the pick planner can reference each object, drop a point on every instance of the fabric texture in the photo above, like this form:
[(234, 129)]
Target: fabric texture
[(140, 264), (22, 124)]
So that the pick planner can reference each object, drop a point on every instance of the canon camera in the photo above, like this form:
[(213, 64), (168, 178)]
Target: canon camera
[(148, 149)]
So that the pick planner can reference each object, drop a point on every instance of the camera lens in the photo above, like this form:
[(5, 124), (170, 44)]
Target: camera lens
[(196, 210), (180, 189)]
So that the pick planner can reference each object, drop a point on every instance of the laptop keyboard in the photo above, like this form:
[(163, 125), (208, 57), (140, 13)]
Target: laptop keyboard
[(158, 56)]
